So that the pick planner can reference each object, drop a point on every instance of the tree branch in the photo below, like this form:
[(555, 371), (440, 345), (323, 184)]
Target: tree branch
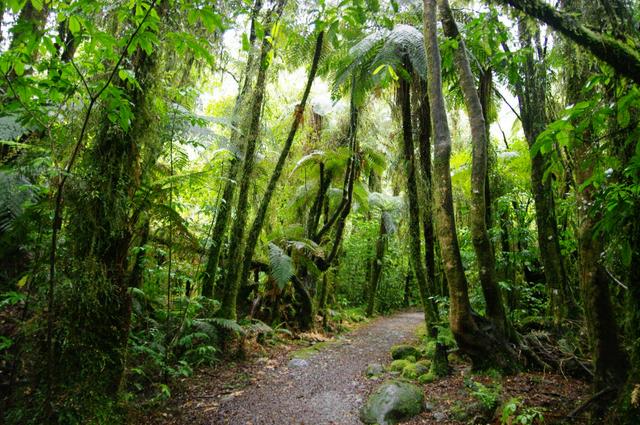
[(619, 55)]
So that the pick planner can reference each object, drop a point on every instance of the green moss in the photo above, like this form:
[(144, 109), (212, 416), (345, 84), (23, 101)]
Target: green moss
[(404, 351), (426, 378), (412, 371), (430, 349), (392, 402), (312, 350), (424, 362), (399, 365)]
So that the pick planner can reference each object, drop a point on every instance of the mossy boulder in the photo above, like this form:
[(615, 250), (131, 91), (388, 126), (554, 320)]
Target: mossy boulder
[(425, 362), (399, 365), (403, 351), (391, 403), (413, 370), (374, 369), (427, 378)]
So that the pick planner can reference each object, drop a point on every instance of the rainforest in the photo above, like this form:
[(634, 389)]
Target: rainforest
[(319, 212)]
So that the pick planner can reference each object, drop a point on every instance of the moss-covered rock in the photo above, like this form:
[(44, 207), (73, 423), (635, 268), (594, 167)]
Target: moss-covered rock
[(392, 402), (398, 365), (403, 351), (413, 370), (427, 378), (374, 369), (425, 362)]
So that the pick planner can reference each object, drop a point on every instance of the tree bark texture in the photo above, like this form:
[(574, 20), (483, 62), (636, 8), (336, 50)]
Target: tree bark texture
[(439, 364), (608, 359), (483, 349), (236, 243), (479, 234), (258, 222), (224, 210), (531, 93)]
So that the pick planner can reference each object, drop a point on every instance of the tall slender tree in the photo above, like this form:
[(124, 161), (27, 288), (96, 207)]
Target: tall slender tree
[(483, 348)]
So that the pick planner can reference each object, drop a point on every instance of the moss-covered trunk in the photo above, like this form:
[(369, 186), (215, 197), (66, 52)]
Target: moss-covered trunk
[(376, 265), (224, 209), (531, 93), (428, 304), (236, 243), (261, 214), (482, 348)]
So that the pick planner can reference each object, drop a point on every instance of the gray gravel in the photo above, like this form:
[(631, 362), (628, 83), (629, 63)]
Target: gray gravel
[(329, 389)]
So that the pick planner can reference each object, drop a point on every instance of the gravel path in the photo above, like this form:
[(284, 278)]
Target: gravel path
[(329, 389)]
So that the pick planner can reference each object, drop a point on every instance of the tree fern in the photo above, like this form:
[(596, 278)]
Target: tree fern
[(281, 265), (403, 42)]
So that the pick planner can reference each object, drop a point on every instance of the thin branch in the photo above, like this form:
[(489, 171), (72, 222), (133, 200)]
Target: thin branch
[(84, 82), (496, 91)]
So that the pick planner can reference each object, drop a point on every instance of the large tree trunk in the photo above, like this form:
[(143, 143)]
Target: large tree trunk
[(483, 349), (430, 309), (480, 236), (424, 147), (608, 358), (236, 243), (224, 210), (531, 95)]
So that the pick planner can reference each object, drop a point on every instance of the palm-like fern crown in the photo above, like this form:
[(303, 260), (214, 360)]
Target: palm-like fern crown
[(399, 47)]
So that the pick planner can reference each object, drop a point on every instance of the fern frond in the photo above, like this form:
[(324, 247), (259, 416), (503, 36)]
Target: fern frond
[(280, 264), (228, 324)]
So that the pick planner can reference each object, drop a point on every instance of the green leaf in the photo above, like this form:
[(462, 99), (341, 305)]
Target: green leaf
[(18, 67), (74, 25), (378, 69), (281, 265), (246, 45)]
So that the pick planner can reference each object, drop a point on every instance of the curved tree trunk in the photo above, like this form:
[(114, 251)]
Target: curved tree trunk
[(480, 236), (483, 349), (617, 53)]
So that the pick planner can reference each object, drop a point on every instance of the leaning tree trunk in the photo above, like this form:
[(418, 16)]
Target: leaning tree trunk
[(224, 210), (430, 309), (483, 348), (236, 243), (479, 234), (619, 54), (531, 93), (256, 227)]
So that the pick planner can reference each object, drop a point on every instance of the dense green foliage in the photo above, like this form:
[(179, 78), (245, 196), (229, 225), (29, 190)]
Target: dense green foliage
[(144, 232)]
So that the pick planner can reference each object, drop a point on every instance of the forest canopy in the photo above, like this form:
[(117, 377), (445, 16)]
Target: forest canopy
[(179, 177)]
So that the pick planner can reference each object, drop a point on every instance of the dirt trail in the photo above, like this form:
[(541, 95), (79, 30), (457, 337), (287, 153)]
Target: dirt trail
[(329, 389)]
